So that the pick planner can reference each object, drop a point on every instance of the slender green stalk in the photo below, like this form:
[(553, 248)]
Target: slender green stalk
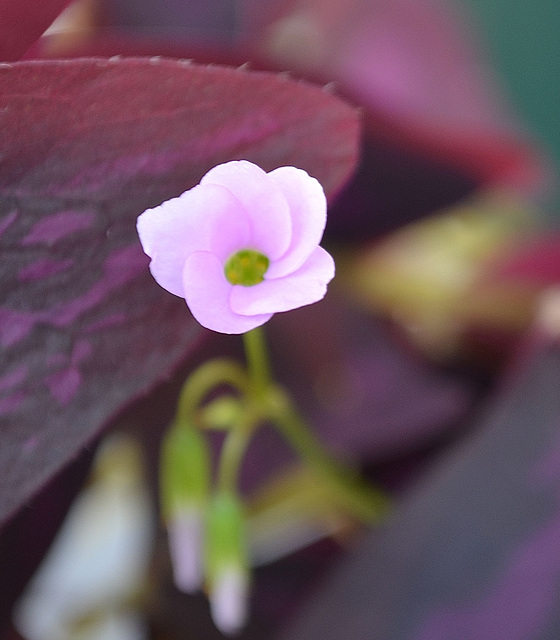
[(260, 401), (257, 360), (231, 457), (367, 503)]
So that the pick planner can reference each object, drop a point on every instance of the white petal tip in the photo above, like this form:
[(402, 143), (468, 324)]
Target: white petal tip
[(228, 602), (185, 545)]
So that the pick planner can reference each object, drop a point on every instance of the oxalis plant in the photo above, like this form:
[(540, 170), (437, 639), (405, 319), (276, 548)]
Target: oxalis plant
[(238, 247), (87, 145), (84, 328)]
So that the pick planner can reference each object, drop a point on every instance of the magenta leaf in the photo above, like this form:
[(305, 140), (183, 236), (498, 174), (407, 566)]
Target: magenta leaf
[(22, 22), (534, 262), (86, 146), (413, 67)]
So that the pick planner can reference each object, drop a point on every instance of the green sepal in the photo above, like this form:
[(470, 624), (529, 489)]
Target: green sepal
[(184, 470), (226, 541)]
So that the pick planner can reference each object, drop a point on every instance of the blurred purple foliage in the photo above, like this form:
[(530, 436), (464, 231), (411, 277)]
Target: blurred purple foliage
[(23, 22), (472, 551)]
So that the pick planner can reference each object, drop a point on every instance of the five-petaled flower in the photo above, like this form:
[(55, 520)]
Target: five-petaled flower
[(241, 245)]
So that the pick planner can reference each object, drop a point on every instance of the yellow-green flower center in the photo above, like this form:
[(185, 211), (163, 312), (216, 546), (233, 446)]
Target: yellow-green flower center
[(246, 267)]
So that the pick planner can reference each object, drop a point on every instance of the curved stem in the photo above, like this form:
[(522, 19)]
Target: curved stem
[(231, 457), (263, 401), (205, 379), (364, 501)]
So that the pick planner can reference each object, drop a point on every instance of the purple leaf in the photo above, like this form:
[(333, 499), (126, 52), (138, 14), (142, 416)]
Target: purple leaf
[(22, 22), (214, 19), (395, 182), (86, 146), (472, 552), (411, 64), (413, 161), (349, 375)]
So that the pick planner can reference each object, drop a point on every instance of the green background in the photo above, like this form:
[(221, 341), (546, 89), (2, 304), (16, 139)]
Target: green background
[(522, 38)]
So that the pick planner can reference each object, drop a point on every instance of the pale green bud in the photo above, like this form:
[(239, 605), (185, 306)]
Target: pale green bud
[(184, 470)]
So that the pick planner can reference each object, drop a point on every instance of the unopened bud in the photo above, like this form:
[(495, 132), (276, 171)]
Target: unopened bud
[(228, 600), (185, 532), (184, 486), (226, 563)]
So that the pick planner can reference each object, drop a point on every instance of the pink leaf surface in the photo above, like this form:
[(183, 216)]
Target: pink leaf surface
[(87, 145), (22, 22)]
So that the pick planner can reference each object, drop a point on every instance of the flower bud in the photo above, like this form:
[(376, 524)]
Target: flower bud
[(226, 563), (184, 486)]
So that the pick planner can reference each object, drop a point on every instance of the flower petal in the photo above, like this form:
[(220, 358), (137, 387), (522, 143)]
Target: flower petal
[(308, 210), (186, 535), (205, 218), (263, 201), (305, 286), (207, 293)]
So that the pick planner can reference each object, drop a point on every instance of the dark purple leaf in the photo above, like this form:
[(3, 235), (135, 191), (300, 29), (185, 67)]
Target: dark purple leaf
[(415, 67), (349, 375), (412, 164), (23, 21), (85, 147), (395, 183), (473, 551)]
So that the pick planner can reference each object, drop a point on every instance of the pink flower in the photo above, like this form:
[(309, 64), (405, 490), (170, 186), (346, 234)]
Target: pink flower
[(241, 245)]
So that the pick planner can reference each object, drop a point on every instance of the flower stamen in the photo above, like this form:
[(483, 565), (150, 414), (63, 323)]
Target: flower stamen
[(246, 267)]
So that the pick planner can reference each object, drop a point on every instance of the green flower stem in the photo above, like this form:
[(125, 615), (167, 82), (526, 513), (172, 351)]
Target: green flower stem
[(257, 360), (238, 437), (232, 453), (209, 376), (261, 400), (365, 502), (273, 403)]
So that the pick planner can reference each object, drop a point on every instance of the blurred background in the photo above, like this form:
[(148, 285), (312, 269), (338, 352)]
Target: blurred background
[(522, 42)]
